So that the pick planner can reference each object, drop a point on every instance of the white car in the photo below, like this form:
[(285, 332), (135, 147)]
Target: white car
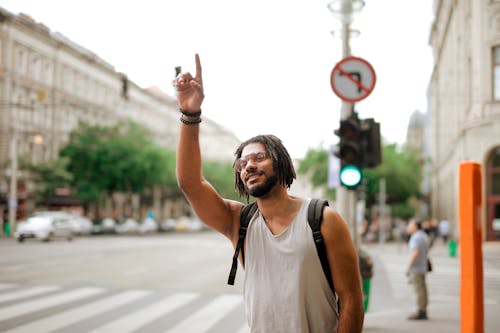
[(106, 226), (168, 225), (80, 225), (44, 227), (130, 226), (148, 226)]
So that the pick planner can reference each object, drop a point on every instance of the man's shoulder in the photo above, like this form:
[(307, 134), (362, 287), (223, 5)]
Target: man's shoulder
[(419, 237)]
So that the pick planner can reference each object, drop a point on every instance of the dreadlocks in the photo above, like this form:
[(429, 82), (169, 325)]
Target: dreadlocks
[(282, 163)]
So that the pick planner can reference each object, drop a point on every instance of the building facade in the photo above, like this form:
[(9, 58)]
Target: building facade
[(464, 106), (417, 141), (49, 84)]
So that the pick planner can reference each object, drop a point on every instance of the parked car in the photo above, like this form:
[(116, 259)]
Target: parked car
[(197, 225), (80, 225), (185, 223), (44, 227), (168, 225), (106, 226), (149, 225), (130, 226)]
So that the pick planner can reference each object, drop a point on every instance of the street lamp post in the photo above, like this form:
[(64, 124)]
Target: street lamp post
[(13, 202), (13, 183), (346, 11)]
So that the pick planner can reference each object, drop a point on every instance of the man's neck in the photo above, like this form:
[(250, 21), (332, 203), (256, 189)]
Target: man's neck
[(278, 206)]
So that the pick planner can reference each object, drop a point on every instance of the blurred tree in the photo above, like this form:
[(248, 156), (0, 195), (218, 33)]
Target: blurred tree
[(50, 175), (221, 176), (402, 171), (122, 158), (315, 166), (400, 168)]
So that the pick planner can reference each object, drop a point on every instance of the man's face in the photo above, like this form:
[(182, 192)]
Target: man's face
[(257, 171)]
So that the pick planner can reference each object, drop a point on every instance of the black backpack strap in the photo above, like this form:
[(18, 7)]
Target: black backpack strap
[(315, 217), (246, 214)]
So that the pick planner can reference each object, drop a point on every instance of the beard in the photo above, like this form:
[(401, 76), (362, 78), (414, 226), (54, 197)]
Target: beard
[(262, 189)]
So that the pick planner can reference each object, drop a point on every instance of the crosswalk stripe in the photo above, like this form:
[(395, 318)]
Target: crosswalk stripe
[(74, 315), (25, 293), (206, 317), (142, 317), (4, 286), (30, 299), (42, 303)]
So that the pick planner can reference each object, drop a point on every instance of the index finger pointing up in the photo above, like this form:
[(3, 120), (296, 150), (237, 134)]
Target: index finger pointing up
[(198, 69)]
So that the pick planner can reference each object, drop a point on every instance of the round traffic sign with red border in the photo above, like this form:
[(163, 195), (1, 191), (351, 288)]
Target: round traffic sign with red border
[(353, 79)]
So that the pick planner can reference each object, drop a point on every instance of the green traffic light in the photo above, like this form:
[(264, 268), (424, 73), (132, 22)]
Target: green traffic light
[(350, 176)]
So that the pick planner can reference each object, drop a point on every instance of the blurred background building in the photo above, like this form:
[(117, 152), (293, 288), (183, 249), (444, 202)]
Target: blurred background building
[(464, 105), (49, 84), (417, 141)]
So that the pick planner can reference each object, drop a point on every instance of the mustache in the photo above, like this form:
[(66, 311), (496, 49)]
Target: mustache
[(253, 173)]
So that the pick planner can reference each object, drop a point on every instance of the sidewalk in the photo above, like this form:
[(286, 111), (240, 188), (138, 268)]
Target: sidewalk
[(387, 313)]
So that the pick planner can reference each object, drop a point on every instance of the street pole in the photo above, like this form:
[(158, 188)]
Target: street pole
[(347, 198), (382, 212), (13, 183), (345, 10)]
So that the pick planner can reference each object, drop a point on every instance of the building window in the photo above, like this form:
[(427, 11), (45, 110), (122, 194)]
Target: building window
[(496, 73), (494, 166), (47, 75), (21, 61), (493, 195), (35, 68)]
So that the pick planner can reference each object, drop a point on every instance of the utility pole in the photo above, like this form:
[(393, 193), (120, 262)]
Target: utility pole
[(345, 10), (13, 183)]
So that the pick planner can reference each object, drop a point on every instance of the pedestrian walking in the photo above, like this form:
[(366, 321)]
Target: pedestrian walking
[(444, 230), (418, 247), (285, 288)]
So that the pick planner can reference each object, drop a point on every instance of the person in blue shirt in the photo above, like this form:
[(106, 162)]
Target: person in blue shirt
[(418, 247)]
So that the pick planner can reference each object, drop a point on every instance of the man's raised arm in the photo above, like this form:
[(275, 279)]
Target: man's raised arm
[(210, 207)]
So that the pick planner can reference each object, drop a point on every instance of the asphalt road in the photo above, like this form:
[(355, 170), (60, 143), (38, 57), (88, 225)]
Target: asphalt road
[(173, 282), (176, 282), (197, 261)]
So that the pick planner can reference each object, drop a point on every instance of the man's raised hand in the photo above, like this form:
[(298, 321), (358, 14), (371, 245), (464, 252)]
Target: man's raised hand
[(190, 90)]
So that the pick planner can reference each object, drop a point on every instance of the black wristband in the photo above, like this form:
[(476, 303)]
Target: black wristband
[(190, 122), (190, 114)]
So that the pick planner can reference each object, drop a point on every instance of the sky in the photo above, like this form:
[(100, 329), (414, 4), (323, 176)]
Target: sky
[(266, 64)]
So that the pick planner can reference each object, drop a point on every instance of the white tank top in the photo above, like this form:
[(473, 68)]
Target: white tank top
[(285, 289)]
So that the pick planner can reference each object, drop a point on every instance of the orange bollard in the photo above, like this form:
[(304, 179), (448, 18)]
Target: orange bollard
[(471, 255)]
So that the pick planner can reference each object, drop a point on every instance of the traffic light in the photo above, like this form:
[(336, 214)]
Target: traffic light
[(349, 151), (370, 143)]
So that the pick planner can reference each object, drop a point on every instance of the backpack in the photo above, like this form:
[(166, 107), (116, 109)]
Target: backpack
[(314, 217)]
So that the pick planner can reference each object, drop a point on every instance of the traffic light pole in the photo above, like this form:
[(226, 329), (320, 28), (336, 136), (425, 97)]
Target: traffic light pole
[(347, 199)]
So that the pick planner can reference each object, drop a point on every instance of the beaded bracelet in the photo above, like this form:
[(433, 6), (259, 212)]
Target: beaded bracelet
[(190, 122), (190, 114)]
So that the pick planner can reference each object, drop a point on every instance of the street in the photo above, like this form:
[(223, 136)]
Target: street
[(176, 282)]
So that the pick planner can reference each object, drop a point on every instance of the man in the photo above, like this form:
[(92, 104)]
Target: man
[(444, 230), (418, 246), (285, 289)]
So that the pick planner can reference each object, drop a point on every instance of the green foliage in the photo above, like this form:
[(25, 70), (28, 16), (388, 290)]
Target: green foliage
[(403, 211), (315, 166), (120, 158), (49, 176), (400, 169), (402, 173), (221, 176)]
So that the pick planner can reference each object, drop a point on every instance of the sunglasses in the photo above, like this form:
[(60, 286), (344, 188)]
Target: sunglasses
[(242, 162)]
